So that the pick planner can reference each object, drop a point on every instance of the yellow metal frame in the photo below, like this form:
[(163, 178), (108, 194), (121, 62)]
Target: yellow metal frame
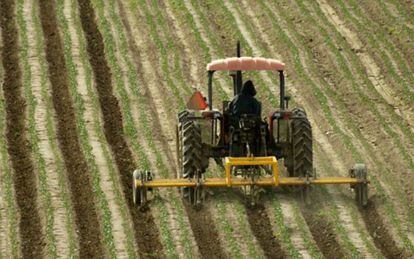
[(229, 181), (240, 161)]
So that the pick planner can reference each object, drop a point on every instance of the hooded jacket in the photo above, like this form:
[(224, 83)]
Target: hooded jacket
[(245, 103)]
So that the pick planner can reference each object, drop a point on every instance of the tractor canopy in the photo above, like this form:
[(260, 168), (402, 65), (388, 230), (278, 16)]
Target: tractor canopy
[(238, 64), (245, 63)]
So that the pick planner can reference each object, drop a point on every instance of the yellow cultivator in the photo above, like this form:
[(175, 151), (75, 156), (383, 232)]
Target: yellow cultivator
[(144, 181)]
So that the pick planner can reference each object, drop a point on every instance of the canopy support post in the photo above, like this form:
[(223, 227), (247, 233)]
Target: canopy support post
[(282, 90), (210, 89)]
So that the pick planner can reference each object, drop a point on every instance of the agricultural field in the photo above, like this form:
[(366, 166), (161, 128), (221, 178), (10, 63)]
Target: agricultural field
[(91, 89)]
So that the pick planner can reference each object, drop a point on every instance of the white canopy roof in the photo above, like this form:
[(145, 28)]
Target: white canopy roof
[(246, 63)]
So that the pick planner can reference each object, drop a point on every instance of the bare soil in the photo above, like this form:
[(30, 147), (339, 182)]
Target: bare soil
[(146, 232), (379, 232), (259, 220), (321, 240), (41, 113), (24, 176), (262, 229), (90, 236), (108, 182), (323, 233), (369, 126), (202, 225)]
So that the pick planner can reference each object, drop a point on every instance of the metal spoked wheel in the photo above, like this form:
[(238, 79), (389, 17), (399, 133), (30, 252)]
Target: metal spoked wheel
[(136, 192), (139, 194), (359, 171)]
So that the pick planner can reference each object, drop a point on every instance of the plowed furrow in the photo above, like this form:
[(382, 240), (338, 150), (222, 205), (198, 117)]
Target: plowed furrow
[(30, 225), (379, 233), (146, 232), (323, 233), (205, 233), (262, 229), (77, 170), (202, 225)]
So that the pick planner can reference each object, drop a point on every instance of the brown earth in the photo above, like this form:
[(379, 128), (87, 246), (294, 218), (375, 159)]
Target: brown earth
[(371, 129), (378, 230), (372, 142), (56, 184), (146, 232), (321, 240), (18, 146), (323, 233), (320, 57), (258, 220), (393, 30), (78, 173), (262, 229), (205, 234)]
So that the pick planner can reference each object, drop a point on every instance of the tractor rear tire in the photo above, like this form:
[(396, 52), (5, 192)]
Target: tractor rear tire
[(190, 155), (301, 160)]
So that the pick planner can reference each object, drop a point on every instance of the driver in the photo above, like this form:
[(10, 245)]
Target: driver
[(245, 103)]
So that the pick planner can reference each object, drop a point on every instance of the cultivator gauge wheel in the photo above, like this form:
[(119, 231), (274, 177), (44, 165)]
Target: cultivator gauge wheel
[(140, 197), (359, 171)]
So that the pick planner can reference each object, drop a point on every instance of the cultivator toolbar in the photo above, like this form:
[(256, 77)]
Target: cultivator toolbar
[(250, 173)]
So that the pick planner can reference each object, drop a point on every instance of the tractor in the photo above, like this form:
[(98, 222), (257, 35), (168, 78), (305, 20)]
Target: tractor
[(248, 147)]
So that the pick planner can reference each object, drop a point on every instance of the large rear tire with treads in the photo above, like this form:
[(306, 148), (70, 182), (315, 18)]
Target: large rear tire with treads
[(300, 161), (190, 157)]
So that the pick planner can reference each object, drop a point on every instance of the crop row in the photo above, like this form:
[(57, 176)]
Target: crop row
[(349, 143), (73, 143), (181, 7), (375, 112), (239, 35), (206, 29), (390, 29), (132, 82), (351, 66), (151, 142), (396, 189), (97, 125), (10, 229), (23, 169), (334, 210), (323, 100), (44, 100), (34, 137)]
